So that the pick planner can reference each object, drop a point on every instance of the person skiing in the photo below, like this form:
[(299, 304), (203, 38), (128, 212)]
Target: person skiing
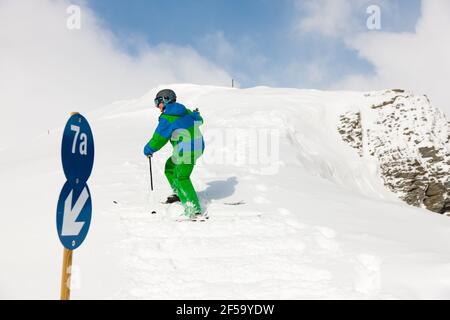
[(181, 126)]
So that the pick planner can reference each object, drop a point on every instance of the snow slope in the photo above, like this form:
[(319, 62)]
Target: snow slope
[(317, 220)]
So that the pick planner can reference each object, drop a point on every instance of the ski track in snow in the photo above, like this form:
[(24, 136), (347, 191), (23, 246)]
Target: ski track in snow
[(250, 257)]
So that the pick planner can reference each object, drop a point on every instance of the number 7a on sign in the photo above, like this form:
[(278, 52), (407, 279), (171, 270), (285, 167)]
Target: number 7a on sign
[(83, 140), (77, 149)]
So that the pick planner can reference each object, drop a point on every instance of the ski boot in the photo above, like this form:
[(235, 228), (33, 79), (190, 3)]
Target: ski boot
[(172, 199)]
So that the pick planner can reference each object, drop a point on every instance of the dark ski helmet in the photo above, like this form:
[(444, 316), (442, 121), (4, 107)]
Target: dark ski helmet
[(165, 96)]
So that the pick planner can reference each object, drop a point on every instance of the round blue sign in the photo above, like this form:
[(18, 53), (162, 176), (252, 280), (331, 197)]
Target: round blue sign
[(73, 214), (77, 150)]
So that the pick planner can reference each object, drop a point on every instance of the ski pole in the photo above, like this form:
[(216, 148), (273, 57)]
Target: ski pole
[(151, 174), (151, 179)]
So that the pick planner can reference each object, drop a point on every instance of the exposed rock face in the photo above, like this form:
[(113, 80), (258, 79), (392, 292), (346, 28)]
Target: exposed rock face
[(411, 140), (351, 130)]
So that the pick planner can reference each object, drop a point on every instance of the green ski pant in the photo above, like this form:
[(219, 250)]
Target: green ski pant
[(179, 179)]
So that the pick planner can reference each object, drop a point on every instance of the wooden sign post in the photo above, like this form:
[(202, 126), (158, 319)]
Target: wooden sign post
[(66, 274)]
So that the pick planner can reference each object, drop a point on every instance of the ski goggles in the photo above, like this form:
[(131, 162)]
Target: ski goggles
[(164, 100)]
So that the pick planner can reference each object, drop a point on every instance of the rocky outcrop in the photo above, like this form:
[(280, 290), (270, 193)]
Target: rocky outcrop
[(351, 130), (411, 141)]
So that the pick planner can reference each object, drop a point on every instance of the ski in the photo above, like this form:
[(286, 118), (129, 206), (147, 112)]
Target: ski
[(240, 203)]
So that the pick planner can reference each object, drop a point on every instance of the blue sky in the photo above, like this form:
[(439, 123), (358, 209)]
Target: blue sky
[(256, 41)]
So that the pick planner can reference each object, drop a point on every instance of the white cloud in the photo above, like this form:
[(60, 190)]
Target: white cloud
[(327, 17), (336, 18), (418, 61), (47, 70)]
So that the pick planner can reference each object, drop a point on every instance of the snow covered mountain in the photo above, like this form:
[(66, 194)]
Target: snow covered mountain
[(315, 178)]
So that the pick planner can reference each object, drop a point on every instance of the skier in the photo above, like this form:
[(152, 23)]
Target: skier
[(181, 126)]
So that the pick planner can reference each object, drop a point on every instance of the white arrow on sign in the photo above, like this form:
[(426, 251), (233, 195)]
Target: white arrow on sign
[(70, 225)]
